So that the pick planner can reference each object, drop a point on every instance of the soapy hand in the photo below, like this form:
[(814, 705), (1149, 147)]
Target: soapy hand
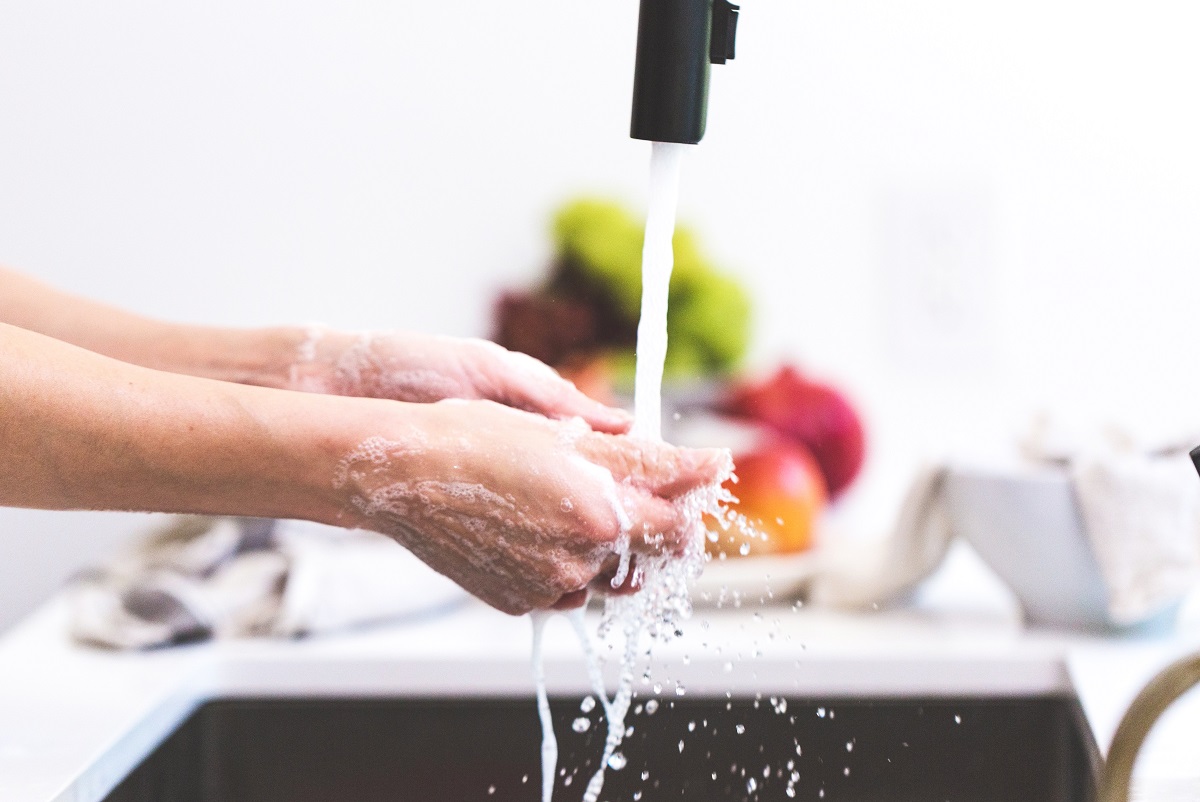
[(423, 368), (521, 510)]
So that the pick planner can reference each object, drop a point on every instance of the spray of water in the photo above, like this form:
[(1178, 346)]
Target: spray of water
[(656, 612)]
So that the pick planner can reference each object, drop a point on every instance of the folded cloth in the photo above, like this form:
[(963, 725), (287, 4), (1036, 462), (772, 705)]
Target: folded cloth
[(236, 577), (885, 573), (1140, 505)]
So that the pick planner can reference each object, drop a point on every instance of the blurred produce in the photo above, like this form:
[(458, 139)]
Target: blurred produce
[(811, 413), (590, 303), (781, 494)]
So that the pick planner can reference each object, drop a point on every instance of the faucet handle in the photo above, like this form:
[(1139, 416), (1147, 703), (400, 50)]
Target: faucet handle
[(724, 31)]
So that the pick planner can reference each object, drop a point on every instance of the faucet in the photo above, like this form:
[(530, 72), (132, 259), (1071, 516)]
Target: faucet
[(1171, 683), (677, 40)]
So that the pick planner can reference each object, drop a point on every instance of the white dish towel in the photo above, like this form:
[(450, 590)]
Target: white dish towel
[(234, 577)]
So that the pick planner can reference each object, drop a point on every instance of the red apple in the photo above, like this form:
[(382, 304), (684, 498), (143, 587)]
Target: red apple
[(781, 493), (812, 413)]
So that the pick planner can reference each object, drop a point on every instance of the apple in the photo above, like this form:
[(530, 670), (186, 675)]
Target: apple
[(809, 412), (781, 493)]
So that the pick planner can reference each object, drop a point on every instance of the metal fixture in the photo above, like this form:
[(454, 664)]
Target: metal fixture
[(1171, 683), (677, 40)]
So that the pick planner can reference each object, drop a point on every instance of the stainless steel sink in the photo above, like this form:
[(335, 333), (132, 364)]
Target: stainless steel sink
[(393, 750)]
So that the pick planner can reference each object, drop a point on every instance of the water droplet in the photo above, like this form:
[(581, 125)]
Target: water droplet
[(728, 666), (491, 789), (820, 712), (849, 746), (657, 687), (651, 707), (680, 746), (743, 549), (691, 726), (617, 761), (680, 690), (645, 776), (846, 771), (751, 785), (741, 728), (957, 719), (524, 778), (566, 505), (790, 791), (581, 724), (588, 704), (637, 795)]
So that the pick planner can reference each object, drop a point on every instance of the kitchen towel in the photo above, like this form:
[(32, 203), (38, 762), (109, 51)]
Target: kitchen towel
[(857, 576), (235, 577), (1139, 499)]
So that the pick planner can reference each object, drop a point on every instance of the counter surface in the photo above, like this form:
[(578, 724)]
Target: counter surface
[(74, 720)]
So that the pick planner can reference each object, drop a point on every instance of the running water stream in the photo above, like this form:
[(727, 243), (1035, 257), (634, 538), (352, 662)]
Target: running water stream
[(657, 608)]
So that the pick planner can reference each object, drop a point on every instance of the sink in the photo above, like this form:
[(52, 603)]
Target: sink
[(1035, 749)]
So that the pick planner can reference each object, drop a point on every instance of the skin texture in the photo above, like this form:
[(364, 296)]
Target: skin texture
[(522, 493)]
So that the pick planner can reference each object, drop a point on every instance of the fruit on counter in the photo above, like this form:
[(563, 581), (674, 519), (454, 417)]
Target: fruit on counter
[(781, 493), (811, 413), (590, 303)]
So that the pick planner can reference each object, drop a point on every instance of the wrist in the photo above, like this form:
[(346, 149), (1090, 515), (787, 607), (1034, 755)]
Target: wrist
[(262, 357)]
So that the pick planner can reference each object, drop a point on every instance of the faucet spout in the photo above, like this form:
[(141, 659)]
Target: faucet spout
[(677, 40)]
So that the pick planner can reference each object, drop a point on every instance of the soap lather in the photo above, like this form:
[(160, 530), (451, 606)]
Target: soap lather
[(677, 41)]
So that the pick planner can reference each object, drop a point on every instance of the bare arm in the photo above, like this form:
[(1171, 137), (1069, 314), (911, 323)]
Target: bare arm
[(521, 510), (82, 431), (396, 365), (248, 356)]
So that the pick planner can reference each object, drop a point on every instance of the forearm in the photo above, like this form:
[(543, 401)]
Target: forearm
[(249, 356), (81, 431)]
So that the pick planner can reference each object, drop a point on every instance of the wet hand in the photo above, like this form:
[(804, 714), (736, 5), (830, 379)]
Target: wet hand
[(523, 511), (425, 368)]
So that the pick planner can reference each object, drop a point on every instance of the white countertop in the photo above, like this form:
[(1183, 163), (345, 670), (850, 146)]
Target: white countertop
[(74, 720)]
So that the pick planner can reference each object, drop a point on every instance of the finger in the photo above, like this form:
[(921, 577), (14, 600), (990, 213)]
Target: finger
[(572, 600), (657, 525), (555, 397), (630, 584), (658, 468)]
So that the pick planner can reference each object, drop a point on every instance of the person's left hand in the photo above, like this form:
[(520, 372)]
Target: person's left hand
[(404, 366)]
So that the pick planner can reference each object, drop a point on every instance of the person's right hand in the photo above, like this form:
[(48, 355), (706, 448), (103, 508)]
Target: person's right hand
[(523, 511)]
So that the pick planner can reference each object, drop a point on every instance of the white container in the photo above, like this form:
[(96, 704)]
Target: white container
[(1026, 525)]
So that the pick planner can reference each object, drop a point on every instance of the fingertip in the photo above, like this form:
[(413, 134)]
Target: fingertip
[(656, 526), (610, 420), (708, 464)]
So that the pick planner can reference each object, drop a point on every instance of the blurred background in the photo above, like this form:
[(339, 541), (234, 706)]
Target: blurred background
[(962, 214)]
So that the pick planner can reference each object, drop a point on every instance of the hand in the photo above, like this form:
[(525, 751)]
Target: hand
[(523, 511), (425, 368)]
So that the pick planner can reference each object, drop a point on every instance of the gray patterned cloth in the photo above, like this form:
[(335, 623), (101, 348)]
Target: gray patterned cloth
[(203, 578)]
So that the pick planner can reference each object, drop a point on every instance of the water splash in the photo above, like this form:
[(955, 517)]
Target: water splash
[(656, 612)]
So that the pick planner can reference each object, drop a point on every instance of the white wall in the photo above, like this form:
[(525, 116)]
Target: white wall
[(963, 212)]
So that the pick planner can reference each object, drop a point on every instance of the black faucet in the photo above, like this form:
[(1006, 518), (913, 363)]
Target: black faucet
[(677, 40)]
